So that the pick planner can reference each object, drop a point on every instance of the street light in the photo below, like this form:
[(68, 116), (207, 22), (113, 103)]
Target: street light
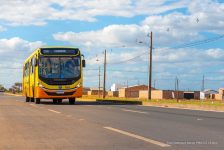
[(150, 66), (99, 78), (104, 71)]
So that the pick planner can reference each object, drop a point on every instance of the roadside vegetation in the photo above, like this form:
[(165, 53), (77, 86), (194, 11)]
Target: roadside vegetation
[(208, 104)]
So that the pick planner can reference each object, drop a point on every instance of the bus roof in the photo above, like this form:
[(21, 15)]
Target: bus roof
[(57, 47)]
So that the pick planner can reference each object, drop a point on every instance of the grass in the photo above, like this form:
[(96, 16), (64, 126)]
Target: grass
[(189, 102)]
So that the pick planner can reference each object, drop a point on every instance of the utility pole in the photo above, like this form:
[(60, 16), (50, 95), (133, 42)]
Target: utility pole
[(177, 86), (99, 78), (203, 83), (99, 83), (150, 69), (127, 83), (104, 73), (154, 84)]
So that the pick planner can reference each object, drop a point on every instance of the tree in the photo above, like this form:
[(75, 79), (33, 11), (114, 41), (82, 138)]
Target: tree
[(18, 86), (2, 88)]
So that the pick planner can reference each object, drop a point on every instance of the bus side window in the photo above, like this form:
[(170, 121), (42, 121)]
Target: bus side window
[(33, 64), (25, 70), (30, 67)]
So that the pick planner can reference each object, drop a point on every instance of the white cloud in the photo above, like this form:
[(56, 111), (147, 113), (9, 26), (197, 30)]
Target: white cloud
[(169, 29), (15, 50), (112, 35), (17, 45), (13, 53), (215, 53), (38, 12), (202, 16)]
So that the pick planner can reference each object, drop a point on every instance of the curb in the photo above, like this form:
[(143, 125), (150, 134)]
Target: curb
[(185, 107), (120, 101), (86, 100)]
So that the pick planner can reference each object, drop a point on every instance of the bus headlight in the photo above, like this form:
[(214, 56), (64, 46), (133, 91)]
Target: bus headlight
[(78, 85), (40, 85)]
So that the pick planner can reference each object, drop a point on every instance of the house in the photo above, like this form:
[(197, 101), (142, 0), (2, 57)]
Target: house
[(219, 95), (207, 94), (161, 94), (85, 90), (113, 93), (132, 91), (116, 87), (192, 95), (95, 91)]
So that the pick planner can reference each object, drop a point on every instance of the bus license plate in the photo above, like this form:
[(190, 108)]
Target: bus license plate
[(60, 92)]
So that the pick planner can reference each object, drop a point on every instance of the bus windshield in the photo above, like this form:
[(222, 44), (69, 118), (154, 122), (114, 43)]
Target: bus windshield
[(59, 67)]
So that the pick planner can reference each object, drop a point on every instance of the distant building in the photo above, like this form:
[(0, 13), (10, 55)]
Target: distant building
[(161, 94), (85, 90), (113, 93), (192, 95), (207, 94), (132, 91), (116, 87), (95, 91), (219, 95)]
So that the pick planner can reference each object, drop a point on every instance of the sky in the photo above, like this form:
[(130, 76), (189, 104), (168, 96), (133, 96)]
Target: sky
[(187, 39)]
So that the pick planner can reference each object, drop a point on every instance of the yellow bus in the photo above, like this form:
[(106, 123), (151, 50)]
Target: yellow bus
[(53, 73)]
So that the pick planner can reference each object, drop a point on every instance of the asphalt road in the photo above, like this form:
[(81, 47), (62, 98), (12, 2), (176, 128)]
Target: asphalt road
[(103, 126)]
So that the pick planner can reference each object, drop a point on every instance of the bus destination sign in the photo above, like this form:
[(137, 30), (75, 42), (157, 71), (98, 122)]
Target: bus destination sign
[(61, 51)]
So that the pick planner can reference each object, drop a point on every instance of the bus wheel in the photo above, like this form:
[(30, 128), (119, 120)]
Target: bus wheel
[(55, 101), (32, 99), (37, 100), (59, 101), (27, 99), (72, 101)]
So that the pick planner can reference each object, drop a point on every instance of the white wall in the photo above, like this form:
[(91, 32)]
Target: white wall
[(115, 87)]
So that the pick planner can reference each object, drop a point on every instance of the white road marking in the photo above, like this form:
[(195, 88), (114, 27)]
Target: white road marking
[(199, 119), (135, 111), (138, 137), (54, 111)]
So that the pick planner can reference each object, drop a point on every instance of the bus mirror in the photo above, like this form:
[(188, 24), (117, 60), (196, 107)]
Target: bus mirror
[(83, 63)]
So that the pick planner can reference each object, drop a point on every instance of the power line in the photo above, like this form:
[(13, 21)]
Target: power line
[(120, 62), (185, 45), (199, 42), (137, 71)]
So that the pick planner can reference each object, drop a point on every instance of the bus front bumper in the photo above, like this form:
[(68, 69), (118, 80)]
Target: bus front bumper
[(63, 94)]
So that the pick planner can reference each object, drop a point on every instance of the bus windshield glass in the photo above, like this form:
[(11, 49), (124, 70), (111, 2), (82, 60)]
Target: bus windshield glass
[(59, 67)]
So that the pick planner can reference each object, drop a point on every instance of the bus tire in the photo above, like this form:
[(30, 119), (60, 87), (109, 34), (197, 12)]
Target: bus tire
[(32, 99), (37, 100), (71, 101), (27, 99), (55, 101), (59, 101)]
